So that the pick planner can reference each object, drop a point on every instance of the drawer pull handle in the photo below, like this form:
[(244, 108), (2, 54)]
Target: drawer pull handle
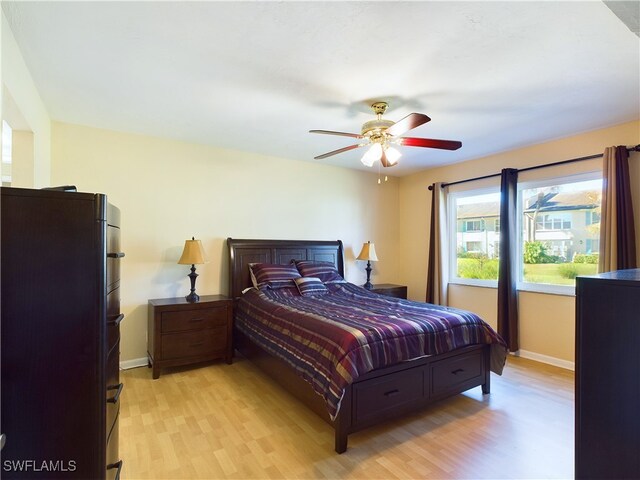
[(392, 393), (115, 255), (197, 344), (115, 321), (459, 370), (117, 465), (196, 320), (116, 397)]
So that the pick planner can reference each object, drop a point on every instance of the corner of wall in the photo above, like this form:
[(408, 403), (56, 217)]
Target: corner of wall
[(16, 78)]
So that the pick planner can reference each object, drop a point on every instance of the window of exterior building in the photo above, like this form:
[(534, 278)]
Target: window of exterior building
[(473, 226)]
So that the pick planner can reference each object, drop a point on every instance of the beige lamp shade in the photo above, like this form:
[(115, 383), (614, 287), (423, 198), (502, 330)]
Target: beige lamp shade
[(368, 252), (193, 253)]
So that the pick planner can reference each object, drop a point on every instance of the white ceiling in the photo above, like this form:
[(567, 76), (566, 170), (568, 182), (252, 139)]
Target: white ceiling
[(256, 76)]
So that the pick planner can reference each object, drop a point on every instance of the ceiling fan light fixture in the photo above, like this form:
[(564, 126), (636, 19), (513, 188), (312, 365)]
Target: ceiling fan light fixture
[(378, 134), (393, 155), (373, 154)]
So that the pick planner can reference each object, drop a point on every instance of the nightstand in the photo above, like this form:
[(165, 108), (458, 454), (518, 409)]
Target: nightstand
[(183, 333), (390, 290)]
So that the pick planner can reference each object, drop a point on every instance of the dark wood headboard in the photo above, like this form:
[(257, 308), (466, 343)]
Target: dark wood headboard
[(244, 252)]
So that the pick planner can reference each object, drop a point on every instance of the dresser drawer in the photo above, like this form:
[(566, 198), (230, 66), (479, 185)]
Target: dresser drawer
[(113, 261), (192, 344), (113, 387), (451, 374), (113, 313), (199, 319), (114, 464), (379, 395)]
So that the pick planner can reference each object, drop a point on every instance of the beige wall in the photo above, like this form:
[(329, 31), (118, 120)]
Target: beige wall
[(168, 191), (547, 321), (20, 86)]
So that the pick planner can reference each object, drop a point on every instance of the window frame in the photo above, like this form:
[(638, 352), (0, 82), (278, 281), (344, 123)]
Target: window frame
[(6, 154), (521, 285), (452, 235)]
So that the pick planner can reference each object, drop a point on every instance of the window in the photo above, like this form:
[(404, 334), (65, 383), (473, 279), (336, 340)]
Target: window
[(473, 226), (5, 165), (559, 224), (592, 245), (558, 221), (474, 258), (592, 217), (475, 247), (560, 228)]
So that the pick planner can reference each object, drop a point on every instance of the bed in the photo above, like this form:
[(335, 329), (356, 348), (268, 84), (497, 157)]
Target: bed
[(356, 396)]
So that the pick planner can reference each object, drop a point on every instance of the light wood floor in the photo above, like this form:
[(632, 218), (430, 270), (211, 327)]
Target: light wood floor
[(230, 421)]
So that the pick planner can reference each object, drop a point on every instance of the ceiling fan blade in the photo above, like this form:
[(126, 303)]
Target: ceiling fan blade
[(412, 120), (335, 152), (430, 143), (344, 134)]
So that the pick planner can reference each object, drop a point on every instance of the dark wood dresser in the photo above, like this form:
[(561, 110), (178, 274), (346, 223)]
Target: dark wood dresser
[(184, 333), (60, 335), (608, 375)]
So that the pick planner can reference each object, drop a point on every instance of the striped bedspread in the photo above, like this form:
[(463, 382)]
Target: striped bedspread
[(332, 339)]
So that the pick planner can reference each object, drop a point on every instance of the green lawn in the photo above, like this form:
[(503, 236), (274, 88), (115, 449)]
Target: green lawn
[(535, 273), (549, 272)]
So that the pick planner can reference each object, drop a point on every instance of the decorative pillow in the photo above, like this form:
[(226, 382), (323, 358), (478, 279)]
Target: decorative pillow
[(310, 286), (325, 271), (274, 276)]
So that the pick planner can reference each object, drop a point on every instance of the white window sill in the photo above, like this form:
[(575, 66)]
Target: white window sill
[(473, 282), (563, 290)]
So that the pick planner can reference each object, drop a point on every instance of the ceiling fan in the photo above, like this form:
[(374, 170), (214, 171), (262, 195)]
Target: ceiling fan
[(381, 134)]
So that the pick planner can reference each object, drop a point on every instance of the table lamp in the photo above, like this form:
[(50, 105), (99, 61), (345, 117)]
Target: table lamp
[(368, 253), (193, 254)]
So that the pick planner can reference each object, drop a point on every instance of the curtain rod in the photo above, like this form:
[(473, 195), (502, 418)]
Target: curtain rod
[(562, 162)]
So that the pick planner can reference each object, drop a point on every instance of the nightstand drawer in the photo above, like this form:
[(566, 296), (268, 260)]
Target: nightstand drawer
[(390, 290), (193, 344), (186, 320)]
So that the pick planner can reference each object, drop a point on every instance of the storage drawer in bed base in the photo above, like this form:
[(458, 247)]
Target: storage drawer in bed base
[(385, 393), (410, 386)]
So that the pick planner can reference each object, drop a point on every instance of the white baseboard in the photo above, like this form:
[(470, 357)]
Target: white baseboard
[(135, 363), (538, 357)]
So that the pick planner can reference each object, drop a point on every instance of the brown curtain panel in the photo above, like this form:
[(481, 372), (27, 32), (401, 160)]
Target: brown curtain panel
[(437, 278), (507, 272), (617, 228)]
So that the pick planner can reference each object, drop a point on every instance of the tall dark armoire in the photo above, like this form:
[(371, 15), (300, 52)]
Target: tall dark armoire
[(60, 335), (608, 375)]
